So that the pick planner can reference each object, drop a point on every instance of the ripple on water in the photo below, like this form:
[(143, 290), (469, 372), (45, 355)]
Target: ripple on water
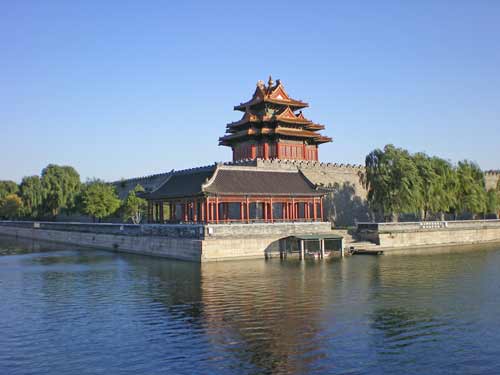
[(68, 310)]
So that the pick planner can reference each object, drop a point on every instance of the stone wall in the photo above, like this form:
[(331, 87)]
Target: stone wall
[(198, 243), (176, 248), (423, 234), (345, 202), (491, 179), (195, 231)]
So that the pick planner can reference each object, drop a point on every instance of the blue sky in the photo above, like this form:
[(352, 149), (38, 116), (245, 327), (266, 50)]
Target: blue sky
[(129, 88)]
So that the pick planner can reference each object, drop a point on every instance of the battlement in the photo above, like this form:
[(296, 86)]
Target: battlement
[(492, 172), (297, 164)]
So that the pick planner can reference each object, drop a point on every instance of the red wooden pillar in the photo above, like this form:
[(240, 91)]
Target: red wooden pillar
[(278, 150), (271, 210), (217, 210), (304, 150), (253, 152), (315, 212), (242, 214), (248, 210), (321, 208), (266, 150), (264, 205), (195, 209), (202, 209)]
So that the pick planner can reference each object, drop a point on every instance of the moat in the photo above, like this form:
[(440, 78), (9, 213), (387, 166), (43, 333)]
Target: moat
[(70, 310)]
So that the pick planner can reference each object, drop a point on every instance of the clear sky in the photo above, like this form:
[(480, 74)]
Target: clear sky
[(130, 88)]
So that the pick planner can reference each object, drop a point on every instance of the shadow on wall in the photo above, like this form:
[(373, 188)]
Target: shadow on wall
[(343, 207)]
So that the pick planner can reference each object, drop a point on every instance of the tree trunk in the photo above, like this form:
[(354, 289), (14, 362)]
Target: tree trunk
[(394, 217), (422, 214)]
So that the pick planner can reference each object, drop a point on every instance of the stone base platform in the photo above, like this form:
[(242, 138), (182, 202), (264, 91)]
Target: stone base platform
[(191, 242)]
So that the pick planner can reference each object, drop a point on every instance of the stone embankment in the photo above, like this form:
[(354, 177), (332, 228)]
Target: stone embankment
[(392, 236), (192, 242)]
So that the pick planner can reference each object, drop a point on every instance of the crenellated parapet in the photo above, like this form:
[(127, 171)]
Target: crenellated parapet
[(491, 179), (301, 164), (342, 177)]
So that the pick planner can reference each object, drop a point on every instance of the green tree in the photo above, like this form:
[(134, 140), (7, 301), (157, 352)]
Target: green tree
[(492, 202), (99, 199), (429, 184), (61, 185), (445, 188), (134, 207), (7, 188), (471, 195), (393, 182), (31, 192), (10, 206)]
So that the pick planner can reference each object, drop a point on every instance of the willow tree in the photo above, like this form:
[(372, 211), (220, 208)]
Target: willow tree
[(471, 195), (393, 182), (445, 187), (31, 192), (61, 185), (429, 184), (492, 202)]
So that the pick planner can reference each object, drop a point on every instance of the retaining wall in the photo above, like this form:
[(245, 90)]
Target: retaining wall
[(198, 243), (434, 233)]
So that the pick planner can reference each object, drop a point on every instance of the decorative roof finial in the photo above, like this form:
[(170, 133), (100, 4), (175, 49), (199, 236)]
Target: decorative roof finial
[(260, 84), (270, 83)]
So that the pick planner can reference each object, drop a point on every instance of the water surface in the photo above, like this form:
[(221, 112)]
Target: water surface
[(65, 310)]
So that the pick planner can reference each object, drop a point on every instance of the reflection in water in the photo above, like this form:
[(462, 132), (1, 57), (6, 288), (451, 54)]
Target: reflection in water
[(88, 311)]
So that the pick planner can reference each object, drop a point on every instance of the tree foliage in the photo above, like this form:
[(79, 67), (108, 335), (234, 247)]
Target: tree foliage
[(7, 188), (99, 199), (399, 182), (61, 185), (134, 207), (31, 192), (445, 187), (492, 202), (10, 206), (471, 195), (429, 184), (393, 182)]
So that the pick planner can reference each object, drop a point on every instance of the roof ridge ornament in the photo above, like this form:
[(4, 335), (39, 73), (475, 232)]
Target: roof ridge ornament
[(270, 82)]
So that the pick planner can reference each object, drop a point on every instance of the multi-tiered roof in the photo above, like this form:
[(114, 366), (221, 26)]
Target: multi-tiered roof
[(273, 121)]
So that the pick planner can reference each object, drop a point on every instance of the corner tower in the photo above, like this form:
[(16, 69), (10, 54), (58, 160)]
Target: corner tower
[(273, 127)]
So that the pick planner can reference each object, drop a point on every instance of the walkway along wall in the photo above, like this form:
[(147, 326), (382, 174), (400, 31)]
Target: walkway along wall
[(429, 233), (198, 243)]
